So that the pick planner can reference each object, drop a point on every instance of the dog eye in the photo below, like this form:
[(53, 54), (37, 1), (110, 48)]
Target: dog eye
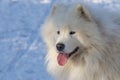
[(72, 32), (58, 32)]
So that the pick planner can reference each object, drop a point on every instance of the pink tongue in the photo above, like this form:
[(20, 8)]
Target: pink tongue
[(62, 59)]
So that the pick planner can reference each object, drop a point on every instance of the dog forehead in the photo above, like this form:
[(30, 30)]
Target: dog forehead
[(64, 13), (66, 28), (62, 28), (63, 17), (67, 19)]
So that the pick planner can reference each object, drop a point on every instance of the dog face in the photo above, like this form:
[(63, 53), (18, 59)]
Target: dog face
[(69, 30), (67, 44), (66, 41)]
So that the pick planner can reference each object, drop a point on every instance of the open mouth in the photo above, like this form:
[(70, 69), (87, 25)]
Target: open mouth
[(63, 57), (74, 51)]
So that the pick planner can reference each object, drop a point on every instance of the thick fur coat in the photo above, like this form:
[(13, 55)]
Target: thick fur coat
[(98, 55)]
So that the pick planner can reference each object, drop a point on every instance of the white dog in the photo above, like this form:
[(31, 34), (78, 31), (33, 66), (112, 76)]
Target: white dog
[(80, 46)]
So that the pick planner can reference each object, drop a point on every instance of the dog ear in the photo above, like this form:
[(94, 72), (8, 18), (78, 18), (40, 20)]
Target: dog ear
[(83, 12), (53, 9)]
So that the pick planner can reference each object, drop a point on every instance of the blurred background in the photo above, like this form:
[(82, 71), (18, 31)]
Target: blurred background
[(22, 50)]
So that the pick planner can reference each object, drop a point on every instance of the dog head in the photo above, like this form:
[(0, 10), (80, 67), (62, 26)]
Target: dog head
[(71, 24), (71, 30)]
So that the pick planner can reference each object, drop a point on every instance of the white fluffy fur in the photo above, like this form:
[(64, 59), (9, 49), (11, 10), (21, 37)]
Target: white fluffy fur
[(99, 37)]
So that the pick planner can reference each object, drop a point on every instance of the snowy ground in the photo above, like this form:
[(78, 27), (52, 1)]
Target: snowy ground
[(22, 50)]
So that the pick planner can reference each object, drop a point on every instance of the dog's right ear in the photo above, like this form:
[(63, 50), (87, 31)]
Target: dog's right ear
[(55, 6)]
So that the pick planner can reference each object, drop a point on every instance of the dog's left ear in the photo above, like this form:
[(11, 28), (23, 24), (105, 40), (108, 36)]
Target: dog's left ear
[(83, 12)]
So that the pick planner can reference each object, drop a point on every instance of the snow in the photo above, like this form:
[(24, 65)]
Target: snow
[(22, 50), (45, 1)]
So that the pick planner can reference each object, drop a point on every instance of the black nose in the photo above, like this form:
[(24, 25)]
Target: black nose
[(60, 46)]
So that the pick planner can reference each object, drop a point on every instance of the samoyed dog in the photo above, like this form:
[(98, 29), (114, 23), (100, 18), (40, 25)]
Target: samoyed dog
[(81, 46)]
